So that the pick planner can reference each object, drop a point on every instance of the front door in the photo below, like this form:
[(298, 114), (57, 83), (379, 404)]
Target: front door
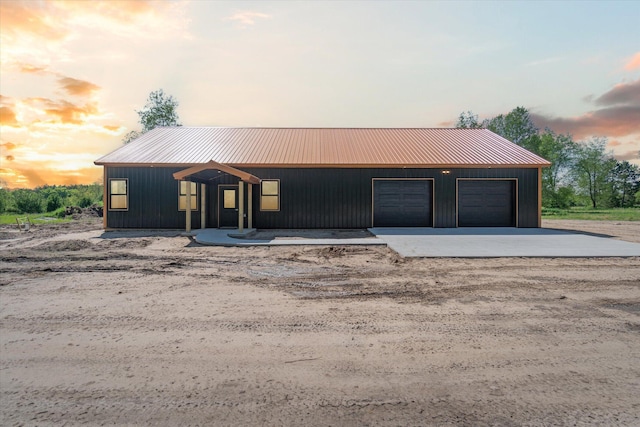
[(228, 206)]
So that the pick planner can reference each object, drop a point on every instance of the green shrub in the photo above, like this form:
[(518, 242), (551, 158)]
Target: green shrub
[(27, 201), (4, 200), (53, 202), (85, 201)]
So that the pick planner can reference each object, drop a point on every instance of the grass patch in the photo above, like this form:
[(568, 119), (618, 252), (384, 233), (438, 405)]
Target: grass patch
[(43, 218), (614, 214)]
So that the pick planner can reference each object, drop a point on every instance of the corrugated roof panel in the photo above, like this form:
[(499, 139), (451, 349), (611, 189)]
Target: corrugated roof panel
[(309, 147)]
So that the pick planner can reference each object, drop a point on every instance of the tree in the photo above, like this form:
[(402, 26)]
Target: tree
[(593, 168), (517, 127), (53, 202), (27, 201), (130, 136), (625, 183), (468, 120), (558, 149), (5, 197), (160, 110)]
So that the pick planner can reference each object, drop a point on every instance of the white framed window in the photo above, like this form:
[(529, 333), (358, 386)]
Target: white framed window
[(270, 195), (182, 196), (118, 194)]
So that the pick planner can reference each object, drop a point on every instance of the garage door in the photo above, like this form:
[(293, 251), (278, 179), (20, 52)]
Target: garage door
[(405, 203), (486, 203)]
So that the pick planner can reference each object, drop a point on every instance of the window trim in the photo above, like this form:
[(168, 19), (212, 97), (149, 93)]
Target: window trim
[(262, 195), (193, 195), (126, 194)]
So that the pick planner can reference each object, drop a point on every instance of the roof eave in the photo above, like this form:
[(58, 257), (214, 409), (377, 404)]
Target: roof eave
[(338, 165)]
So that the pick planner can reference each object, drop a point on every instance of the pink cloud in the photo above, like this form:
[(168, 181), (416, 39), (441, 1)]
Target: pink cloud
[(618, 116), (612, 121), (633, 63), (628, 156), (623, 93), (77, 87)]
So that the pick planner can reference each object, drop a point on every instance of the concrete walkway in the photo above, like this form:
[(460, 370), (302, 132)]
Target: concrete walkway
[(221, 237), (454, 242), (501, 242)]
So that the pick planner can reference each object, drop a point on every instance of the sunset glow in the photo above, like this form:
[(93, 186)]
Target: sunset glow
[(74, 72)]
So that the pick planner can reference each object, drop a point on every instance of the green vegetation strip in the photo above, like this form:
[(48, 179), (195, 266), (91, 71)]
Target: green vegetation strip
[(10, 219), (615, 214)]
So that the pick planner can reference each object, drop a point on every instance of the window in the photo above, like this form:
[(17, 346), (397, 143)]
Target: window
[(182, 197), (229, 199), (270, 195), (118, 194)]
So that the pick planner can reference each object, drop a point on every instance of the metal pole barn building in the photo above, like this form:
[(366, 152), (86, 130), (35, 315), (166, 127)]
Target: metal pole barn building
[(219, 177)]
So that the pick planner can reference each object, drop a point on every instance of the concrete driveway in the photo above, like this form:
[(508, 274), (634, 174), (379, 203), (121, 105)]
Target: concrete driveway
[(501, 242)]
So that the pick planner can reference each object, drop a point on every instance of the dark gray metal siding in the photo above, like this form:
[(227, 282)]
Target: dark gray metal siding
[(309, 198), (342, 198), (153, 199)]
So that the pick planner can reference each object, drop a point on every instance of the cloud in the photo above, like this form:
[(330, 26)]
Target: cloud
[(613, 121), (32, 177), (9, 158), (8, 146), (7, 117), (634, 62), (621, 94), (245, 18), (29, 177), (28, 68), (38, 32), (629, 155), (615, 143), (77, 87), (58, 20), (618, 117), (68, 113), (31, 18)]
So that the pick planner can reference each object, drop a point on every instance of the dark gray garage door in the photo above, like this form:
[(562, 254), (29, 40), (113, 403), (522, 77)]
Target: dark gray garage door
[(402, 203), (486, 204)]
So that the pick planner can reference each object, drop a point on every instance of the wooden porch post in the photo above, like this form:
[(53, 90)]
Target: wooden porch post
[(250, 204), (203, 212), (188, 207), (241, 206)]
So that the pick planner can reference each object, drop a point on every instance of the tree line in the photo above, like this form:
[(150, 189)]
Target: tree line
[(49, 198), (581, 172)]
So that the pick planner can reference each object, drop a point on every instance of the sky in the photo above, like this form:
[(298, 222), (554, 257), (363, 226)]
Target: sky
[(73, 73)]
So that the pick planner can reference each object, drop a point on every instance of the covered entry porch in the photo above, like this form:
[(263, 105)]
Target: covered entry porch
[(205, 174)]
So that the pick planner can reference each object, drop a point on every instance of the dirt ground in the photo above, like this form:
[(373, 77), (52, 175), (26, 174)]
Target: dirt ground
[(133, 328)]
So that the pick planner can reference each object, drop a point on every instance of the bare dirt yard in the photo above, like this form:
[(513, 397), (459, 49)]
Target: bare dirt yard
[(134, 328)]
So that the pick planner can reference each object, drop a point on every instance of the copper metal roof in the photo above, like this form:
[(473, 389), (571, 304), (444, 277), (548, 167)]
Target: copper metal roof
[(323, 147)]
